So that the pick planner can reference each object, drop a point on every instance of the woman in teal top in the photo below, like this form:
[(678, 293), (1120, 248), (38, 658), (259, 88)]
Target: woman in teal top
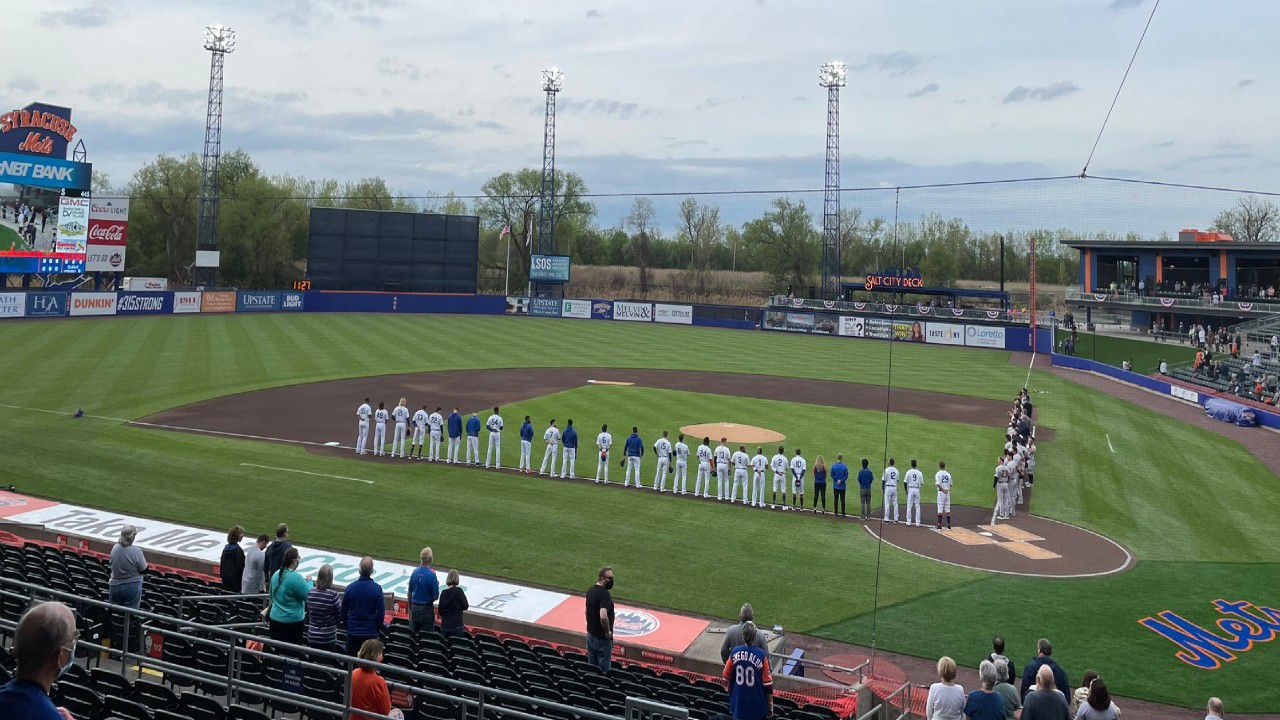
[(288, 601)]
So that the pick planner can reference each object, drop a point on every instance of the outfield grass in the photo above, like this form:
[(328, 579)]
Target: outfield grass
[(9, 238), (1146, 355), (1197, 510)]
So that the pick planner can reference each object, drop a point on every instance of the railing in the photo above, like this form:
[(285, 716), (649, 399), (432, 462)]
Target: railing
[(184, 599), (235, 643), (1167, 303), (1012, 315)]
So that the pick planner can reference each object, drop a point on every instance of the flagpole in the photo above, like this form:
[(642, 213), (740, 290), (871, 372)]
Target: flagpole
[(506, 283)]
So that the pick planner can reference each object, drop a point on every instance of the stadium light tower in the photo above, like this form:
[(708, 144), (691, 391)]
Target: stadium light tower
[(552, 83), (220, 41), (831, 75)]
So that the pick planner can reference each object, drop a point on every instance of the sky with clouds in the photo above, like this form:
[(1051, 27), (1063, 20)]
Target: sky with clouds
[(668, 96)]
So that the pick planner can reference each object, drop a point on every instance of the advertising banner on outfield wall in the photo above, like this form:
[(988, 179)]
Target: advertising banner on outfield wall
[(73, 225), (186, 302), (293, 301), (93, 303), (544, 307), (908, 331), (601, 310), (852, 326), (144, 303), (879, 328), (825, 324), (217, 301), (633, 311), (675, 314), (108, 232), (580, 309), (517, 305), (257, 301), (46, 304), (1184, 394), (13, 305), (944, 333), (984, 336), (104, 258)]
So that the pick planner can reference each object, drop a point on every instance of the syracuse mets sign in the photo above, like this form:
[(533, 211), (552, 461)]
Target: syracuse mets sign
[(37, 129), (1243, 625)]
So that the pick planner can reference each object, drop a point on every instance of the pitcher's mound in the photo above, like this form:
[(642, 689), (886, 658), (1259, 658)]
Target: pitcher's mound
[(733, 432)]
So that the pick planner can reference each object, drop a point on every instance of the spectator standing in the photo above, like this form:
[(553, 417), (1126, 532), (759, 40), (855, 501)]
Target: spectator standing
[(865, 478), (733, 634), (1081, 694), (127, 567), (276, 550), (1012, 700), (324, 606), (231, 566), (1099, 705), (424, 588), (289, 590), (750, 682), (453, 603), (946, 699), (252, 582), (1043, 658), (997, 652), (985, 703), (1214, 709), (44, 644), (819, 483), (368, 688), (1045, 702), (600, 620), (363, 608), (839, 479)]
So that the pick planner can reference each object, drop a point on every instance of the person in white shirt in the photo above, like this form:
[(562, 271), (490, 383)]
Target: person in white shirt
[(741, 461), (702, 482), (723, 453), (942, 481), (681, 482), (759, 465), (419, 432), (798, 466), (552, 438), (947, 698), (401, 415), (890, 481), (914, 480), (780, 468), (662, 451), (362, 426), (380, 430), (494, 448), (436, 421), (604, 441)]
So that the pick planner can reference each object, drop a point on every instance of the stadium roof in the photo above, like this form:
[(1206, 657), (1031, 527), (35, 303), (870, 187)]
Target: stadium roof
[(1171, 245)]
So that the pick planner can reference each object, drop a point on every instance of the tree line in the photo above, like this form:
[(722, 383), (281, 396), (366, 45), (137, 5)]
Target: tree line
[(263, 231)]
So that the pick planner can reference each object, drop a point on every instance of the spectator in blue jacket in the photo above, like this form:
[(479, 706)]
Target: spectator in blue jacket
[(455, 435), (526, 446), (473, 440), (569, 453), (632, 450), (363, 608), (424, 589), (1044, 656), (839, 479), (865, 478)]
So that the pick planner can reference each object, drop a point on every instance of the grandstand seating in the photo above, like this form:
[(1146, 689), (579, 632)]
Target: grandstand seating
[(502, 661), (1230, 367)]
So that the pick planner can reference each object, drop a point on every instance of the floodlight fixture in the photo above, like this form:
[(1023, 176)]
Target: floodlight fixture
[(552, 79), (219, 39), (832, 74)]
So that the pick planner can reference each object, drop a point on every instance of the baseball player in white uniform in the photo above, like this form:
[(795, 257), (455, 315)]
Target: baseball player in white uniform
[(702, 482), (890, 481), (942, 481), (741, 461), (552, 437), (494, 448), (914, 480), (362, 426), (1014, 489), (798, 466), (723, 454), (401, 415), (759, 465), (780, 469), (604, 442), (1002, 492), (419, 432), (435, 421), (662, 451), (380, 430), (681, 482)]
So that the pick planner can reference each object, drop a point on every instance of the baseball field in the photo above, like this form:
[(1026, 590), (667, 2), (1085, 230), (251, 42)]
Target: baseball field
[(1193, 508)]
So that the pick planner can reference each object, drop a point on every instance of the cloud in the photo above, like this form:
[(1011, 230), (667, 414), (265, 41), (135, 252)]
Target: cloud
[(1246, 82), (396, 66), (593, 14), (22, 84), (92, 15), (305, 13), (1052, 91), (1125, 4), (1165, 144), (598, 106), (895, 64), (713, 102), (928, 89)]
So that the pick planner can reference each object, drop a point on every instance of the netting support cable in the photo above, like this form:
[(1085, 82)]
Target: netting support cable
[(1085, 170)]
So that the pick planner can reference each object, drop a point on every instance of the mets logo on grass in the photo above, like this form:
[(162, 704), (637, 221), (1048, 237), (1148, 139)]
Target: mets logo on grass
[(1243, 625), (635, 623)]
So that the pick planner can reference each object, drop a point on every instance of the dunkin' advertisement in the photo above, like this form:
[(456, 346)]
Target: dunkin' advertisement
[(108, 231)]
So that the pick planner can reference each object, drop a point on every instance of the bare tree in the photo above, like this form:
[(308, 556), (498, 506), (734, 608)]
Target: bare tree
[(1251, 220), (700, 227), (640, 244)]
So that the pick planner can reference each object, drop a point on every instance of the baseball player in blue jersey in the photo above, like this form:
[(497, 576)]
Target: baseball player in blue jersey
[(473, 440), (569, 452), (526, 446), (748, 677), (455, 436), (633, 450)]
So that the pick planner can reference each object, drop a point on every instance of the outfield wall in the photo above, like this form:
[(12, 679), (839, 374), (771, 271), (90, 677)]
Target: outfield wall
[(1266, 418)]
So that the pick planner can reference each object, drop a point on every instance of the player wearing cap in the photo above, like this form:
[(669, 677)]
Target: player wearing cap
[(890, 481), (780, 468), (942, 481), (702, 483), (759, 465), (551, 436), (723, 453), (401, 415), (681, 482), (362, 426), (741, 461), (494, 448), (662, 451), (914, 480)]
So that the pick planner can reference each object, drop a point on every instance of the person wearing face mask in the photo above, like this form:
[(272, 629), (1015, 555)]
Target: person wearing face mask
[(600, 620), (44, 645)]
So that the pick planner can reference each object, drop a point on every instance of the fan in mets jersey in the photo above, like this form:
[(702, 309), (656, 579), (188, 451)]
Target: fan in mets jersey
[(750, 683)]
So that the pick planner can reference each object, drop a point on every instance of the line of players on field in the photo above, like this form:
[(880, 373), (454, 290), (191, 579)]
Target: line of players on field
[(1016, 467)]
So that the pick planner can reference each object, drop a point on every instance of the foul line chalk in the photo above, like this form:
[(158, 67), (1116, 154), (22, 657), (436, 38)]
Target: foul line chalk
[(306, 472), (609, 382), (1113, 449)]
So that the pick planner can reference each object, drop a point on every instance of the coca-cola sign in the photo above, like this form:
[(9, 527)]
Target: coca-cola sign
[(106, 232), (109, 221)]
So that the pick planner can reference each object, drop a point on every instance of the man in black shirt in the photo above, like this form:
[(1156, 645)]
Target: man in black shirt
[(274, 559), (600, 620)]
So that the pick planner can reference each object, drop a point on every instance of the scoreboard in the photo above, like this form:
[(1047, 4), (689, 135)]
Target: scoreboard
[(31, 261)]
